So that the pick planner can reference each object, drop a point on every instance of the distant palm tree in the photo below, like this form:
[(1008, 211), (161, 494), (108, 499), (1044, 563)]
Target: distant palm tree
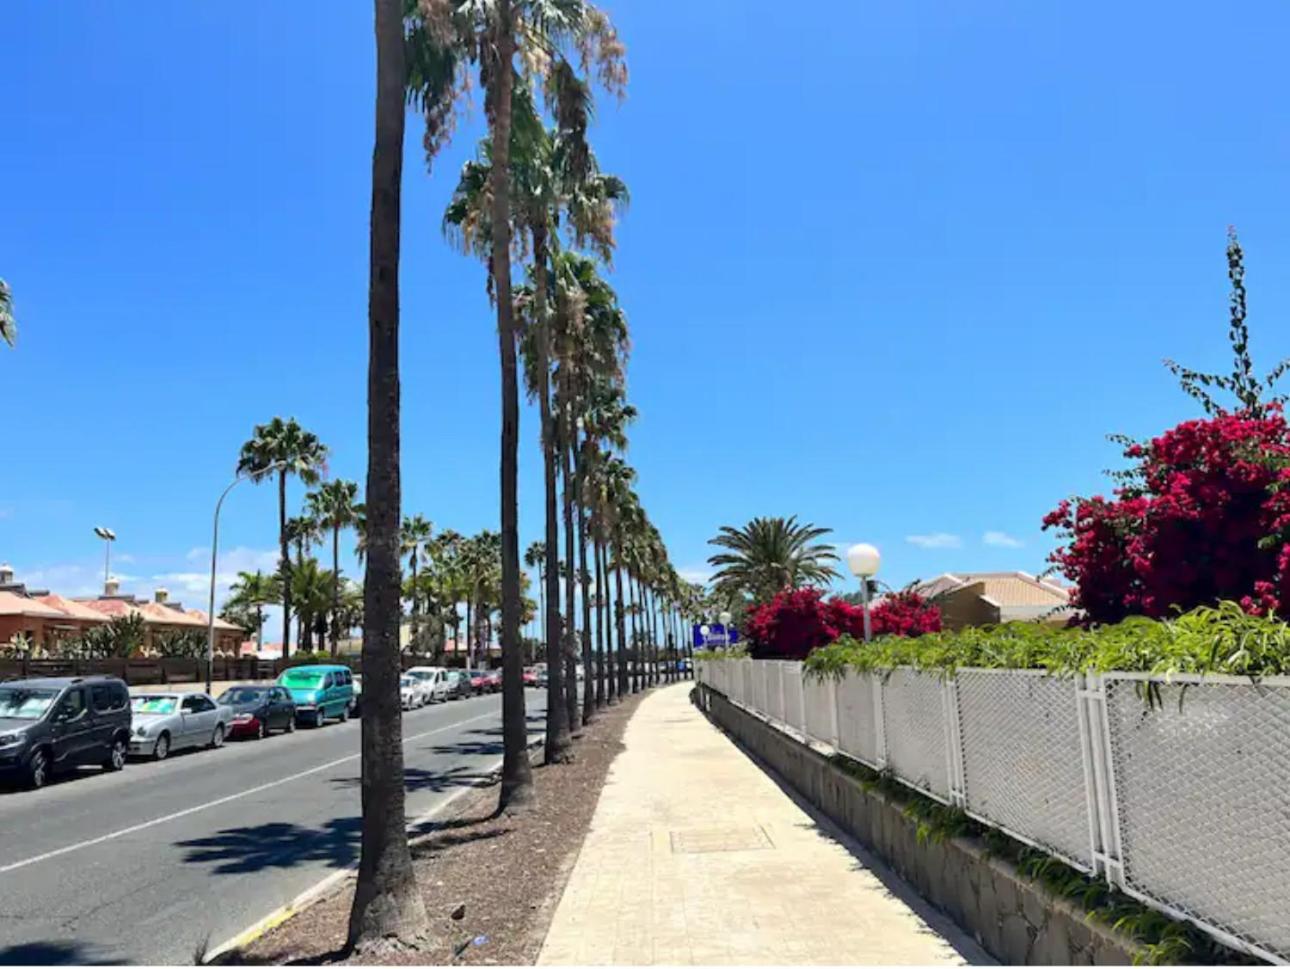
[(255, 590), (535, 558), (770, 554), (8, 325), (288, 449), (334, 505), (413, 536)]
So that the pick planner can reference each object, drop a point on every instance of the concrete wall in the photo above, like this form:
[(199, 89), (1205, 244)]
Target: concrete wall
[(1017, 921)]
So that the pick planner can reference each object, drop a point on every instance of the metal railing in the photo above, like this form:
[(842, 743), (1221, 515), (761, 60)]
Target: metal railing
[(1176, 791)]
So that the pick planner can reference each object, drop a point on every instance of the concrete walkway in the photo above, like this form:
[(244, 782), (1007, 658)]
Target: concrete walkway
[(697, 857)]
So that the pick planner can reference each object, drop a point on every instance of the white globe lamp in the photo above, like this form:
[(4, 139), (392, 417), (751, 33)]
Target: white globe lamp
[(863, 560)]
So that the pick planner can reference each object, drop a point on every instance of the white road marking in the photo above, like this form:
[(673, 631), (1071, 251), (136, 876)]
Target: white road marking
[(14, 866)]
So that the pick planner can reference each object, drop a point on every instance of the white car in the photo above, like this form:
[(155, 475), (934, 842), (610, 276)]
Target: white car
[(412, 692), (163, 722), (434, 679)]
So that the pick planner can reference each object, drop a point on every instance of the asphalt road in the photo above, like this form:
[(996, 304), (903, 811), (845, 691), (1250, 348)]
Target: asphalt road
[(149, 864)]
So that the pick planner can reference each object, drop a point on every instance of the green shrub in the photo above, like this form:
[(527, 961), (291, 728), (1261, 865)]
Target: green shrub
[(1218, 639)]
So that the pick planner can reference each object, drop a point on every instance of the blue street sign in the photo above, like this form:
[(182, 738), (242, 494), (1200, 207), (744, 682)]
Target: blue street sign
[(717, 637)]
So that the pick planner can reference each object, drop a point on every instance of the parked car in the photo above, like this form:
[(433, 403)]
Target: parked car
[(494, 678), (530, 676), (412, 692), (257, 710), (478, 681), (48, 725), (356, 707), (165, 722), (458, 685), (320, 692), (434, 679), (542, 677)]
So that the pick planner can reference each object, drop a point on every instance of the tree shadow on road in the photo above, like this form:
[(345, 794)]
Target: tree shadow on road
[(278, 844), (416, 779), (55, 954)]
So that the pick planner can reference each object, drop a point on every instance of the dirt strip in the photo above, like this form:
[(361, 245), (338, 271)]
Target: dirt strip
[(501, 876)]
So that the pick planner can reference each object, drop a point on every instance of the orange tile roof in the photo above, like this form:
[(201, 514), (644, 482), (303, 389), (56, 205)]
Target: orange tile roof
[(75, 610), (111, 607), (12, 604), (156, 613)]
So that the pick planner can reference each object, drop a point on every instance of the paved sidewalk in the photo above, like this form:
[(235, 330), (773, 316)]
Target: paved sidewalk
[(696, 856)]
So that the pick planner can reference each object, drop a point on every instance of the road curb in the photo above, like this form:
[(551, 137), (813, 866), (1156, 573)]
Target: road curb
[(319, 890)]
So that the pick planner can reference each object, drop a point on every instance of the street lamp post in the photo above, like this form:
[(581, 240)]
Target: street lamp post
[(703, 631), (108, 537), (863, 560), (210, 616), (725, 626)]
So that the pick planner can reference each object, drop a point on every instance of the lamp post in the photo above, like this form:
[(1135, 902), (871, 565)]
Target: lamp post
[(108, 537), (725, 626), (703, 631), (863, 560), (210, 616)]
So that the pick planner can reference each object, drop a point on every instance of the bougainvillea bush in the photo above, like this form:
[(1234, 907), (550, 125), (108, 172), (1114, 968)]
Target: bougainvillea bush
[(1203, 516), (797, 621)]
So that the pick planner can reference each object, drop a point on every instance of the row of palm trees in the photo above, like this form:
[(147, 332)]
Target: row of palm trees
[(533, 198)]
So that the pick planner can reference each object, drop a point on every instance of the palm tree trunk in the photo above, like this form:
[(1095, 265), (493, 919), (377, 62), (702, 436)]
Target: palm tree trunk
[(558, 738), (588, 691), (286, 564), (415, 644), (621, 622), (570, 642), (335, 589), (387, 903), (636, 651), (517, 774), (602, 670), (259, 627)]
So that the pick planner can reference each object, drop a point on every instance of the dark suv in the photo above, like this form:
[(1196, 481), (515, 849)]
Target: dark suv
[(51, 724)]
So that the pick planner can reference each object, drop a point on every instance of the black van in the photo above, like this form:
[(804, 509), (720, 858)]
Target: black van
[(56, 723)]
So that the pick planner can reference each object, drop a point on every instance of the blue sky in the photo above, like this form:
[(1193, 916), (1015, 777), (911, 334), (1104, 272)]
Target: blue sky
[(896, 268)]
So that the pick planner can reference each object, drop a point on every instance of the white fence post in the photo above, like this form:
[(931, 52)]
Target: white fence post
[(1095, 742), (879, 723), (957, 782), (835, 735)]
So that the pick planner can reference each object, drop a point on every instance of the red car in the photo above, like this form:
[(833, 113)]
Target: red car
[(494, 679), (478, 681), (530, 676)]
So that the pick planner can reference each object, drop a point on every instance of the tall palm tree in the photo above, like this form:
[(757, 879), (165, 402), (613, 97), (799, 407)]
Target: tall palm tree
[(256, 590), (770, 554), (535, 558), (334, 506), (8, 325), (387, 907), (416, 532), (552, 34), (288, 449)]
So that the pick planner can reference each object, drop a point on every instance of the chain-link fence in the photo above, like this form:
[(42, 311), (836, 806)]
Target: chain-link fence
[(1176, 791)]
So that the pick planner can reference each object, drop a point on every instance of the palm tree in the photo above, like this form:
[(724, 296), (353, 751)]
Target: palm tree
[(288, 449), (255, 590), (335, 506), (311, 591), (770, 554), (535, 558), (486, 30), (416, 532), (387, 906), (8, 325)]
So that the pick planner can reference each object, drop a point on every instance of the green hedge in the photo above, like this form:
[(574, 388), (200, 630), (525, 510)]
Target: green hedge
[(1221, 639)]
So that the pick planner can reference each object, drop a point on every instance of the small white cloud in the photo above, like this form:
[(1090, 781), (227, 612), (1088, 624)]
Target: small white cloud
[(1001, 540), (695, 573), (935, 540), (124, 559)]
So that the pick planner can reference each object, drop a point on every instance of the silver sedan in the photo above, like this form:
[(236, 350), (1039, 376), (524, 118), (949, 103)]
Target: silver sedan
[(163, 722)]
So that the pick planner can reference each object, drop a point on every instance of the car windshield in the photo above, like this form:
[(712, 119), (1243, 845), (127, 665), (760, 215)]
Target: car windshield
[(422, 675), (407, 681), (242, 695), (307, 679), (153, 704), (23, 703)]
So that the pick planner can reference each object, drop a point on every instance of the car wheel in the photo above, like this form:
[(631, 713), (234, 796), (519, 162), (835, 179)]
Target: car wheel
[(38, 770), (319, 718), (217, 738), (344, 713), (162, 748), (116, 758), (291, 724), (260, 731)]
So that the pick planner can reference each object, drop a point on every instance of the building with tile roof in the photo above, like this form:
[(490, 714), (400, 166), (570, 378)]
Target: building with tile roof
[(989, 598)]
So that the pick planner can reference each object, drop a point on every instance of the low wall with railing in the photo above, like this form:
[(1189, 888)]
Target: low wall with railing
[(1176, 791)]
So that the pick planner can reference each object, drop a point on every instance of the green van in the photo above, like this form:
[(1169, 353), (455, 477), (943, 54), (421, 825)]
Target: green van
[(320, 692)]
